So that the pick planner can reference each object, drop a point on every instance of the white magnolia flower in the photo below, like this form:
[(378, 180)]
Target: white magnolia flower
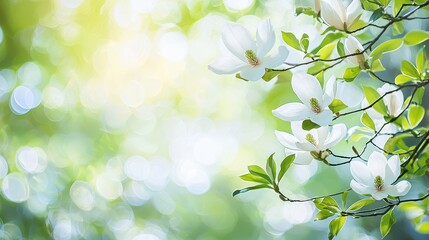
[(314, 104), (394, 102), (335, 14), (378, 176), (309, 145), (351, 46), (249, 56)]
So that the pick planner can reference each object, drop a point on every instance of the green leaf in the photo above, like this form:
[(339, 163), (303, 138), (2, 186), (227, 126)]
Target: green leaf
[(284, 166), (240, 191), (409, 69), (376, 14), (290, 39), (260, 172), (421, 60), (324, 214), (252, 178), (270, 74), (306, 11), (398, 28), (271, 167), (335, 226), (415, 115), (357, 25), (371, 96), (387, 220), (328, 39), (351, 73), (384, 2), (377, 66), (360, 204), (401, 79), (340, 49), (415, 37), (385, 47), (337, 105), (308, 125), (326, 51), (367, 121), (423, 228), (344, 198), (418, 96), (304, 42)]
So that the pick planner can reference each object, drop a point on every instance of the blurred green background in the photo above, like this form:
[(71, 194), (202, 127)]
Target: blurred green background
[(113, 128)]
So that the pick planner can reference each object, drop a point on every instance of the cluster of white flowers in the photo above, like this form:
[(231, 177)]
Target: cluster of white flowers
[(249, 58)]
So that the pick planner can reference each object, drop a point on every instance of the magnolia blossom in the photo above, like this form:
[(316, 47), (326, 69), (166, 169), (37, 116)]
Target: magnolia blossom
[(394, 102), (314, 104), (378, 176), (313, 144), (352, 46), (335, 14), (349, 94), (317, 6), (247, 55)]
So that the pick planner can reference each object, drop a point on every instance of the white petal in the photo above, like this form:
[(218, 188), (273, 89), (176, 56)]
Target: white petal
[(381, 140), (292, 112), (400, 189), (330, 90), (361, 173), (252, 73), (287, 140), (377, 164), (237, 39), (322, 119), (306, 146), (277, 58), (306, 87), (349, 94), (353, 11), (322, 134), (395, 165), (378, 195), (265, 38), (351, 46), (303, 158), (227, 65), (393, 101), (359, 188), (389, 178), (297, 130), (338, 132), (334, 13)]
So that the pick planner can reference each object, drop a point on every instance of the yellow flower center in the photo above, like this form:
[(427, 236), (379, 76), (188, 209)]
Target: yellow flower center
[(251, 58), (310, 138), (378, 183), (315, 106)]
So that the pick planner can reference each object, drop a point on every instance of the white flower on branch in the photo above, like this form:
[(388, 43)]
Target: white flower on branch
[(353, 46), (378, 176), (313, 144), (247, 55), (314, 104), (335, 14)]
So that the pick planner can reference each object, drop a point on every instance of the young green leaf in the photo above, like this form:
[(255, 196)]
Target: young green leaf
[(326, 51), (340, 49), (398, 28), (304, 42), (423, 228), (415, 37), (240, 191), (344, 198), (260, 172), (415, 115), (324, 214), (376, 14), (335, 226), (337, 105), (371, 96), (308, 125), (271, 167), (387, 220), (284, 166), (270, 74), (367, 121), (377, 66), (385, 47), (360, 204), (328, 39), (409, 69), (290, 39), (252, 178), (418, 96), (401, 79), (351, 73), (421, 60)]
